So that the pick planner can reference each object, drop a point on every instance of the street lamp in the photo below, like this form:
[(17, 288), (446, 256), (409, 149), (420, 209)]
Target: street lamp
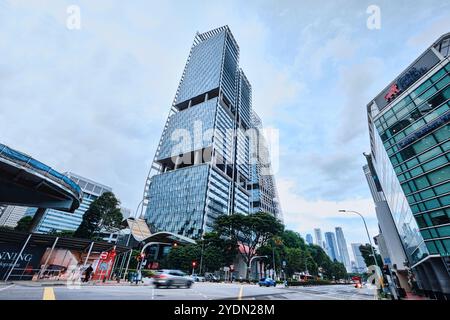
[(134, 220), (368, 235)]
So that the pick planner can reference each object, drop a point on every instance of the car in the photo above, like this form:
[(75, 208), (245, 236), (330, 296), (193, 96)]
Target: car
[(172, 278), (198, 278), (267, 282), (211, 278)]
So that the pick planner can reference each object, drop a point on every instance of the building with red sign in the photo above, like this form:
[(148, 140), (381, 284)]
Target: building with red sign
[(410, 165)]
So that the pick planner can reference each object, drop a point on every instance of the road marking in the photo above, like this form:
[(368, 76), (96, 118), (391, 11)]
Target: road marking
[(241, 290), (153, 293), (49, 294), (12, 285)]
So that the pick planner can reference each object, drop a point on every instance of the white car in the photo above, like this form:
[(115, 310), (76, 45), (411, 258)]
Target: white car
[(172, 278)]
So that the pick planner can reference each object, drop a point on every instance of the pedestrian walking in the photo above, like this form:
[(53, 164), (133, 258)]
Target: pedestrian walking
[(87, 273)]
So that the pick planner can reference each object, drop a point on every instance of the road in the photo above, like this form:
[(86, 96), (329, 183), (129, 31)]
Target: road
[(200, 291)]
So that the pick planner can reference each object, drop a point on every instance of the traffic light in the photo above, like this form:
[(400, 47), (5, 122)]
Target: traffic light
[(194, 264), (140, 257)]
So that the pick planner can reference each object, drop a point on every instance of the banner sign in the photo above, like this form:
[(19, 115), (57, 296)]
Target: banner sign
[(27, 264), (407, 79)]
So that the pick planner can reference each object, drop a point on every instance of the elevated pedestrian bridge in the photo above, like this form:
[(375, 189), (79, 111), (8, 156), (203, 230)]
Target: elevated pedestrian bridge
[(25, 181)]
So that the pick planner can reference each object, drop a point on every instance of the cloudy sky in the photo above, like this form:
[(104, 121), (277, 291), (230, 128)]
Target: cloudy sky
[(94, 100)]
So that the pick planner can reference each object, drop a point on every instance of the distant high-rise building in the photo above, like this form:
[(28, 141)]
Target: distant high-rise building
[(331, 246), (209, 171), (342, 248), (359, 260), (309, 239), (318, 237), (55, 220), (10, 215)]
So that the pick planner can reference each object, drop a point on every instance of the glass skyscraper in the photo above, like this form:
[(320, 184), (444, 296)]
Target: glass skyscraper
[(360, 265), (202, 166), (318, 237), (55, 220), (410, 142), (343, 250), (331, 246), (309, 239)]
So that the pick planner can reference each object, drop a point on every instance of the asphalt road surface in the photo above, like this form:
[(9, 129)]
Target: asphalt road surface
[(199, 291)]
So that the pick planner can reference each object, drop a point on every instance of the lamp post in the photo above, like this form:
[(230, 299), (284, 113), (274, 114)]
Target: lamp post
[(134, 220), (368, 235)]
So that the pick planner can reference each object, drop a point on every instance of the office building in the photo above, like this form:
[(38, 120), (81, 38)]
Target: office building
[(410, 141), (318, 237), (202, 168), (262, 187), (342, 249), (393, 254), (331, 246), (10, 215), (55, 220), (359, 260), (309, 239)]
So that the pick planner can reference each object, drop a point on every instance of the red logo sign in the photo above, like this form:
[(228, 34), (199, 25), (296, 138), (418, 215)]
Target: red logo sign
[(392, 93), (104, 255)]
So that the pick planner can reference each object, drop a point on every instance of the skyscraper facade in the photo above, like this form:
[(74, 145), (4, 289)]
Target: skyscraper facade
[(10, 215), (359, 260), (309, 239), (262, 187), (55, 220), (201, 168), (342, 248), (410, 142), (331, 246), (393, 254), (318, 237)]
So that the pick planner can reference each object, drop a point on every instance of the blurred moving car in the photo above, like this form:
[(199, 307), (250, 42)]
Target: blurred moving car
[(267, 282), (172, 278), (198, 278), (211, 278)]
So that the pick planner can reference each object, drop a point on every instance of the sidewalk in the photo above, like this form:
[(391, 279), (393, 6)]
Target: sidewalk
[(62, 283), (411, 296)]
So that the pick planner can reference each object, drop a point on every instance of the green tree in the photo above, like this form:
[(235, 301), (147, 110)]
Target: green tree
[(366, 252), (104, 212), (181, 257), (24, 224), (248, 231), (217, 251), (338, 270), (63, 233)]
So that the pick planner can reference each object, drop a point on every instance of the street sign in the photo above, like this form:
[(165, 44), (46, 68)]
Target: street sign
[(104, 255), (103, 266), (284, 263)]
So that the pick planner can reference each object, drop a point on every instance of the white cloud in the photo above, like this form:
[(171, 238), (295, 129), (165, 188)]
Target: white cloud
[(304, 215)]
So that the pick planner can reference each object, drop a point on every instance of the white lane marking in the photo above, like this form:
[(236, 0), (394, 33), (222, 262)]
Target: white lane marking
[(153, 293), (320, 294), (10, 286)]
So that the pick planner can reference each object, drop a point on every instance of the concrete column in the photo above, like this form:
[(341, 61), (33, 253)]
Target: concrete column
[(36, 219)]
